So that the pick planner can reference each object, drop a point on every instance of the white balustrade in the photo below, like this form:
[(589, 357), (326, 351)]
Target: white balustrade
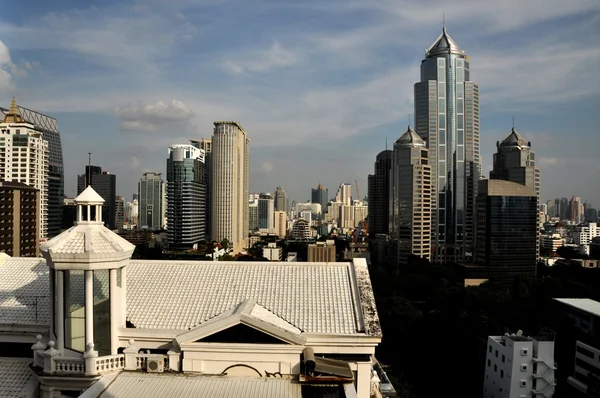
[(110, 363), (66, 365)]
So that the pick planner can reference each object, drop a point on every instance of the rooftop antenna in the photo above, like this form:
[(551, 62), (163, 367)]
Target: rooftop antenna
[(89, 168), (443, 22), (409, 120), (386, 143), (513, 122)]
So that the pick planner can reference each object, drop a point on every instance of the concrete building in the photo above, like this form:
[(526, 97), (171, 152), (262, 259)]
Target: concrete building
[(551, 243), (320, 195), (518, 366), (281, 200), (322, 252), (307, 216), (280, 224), (584, 234), (48, 127), (266, 212), (301, 230), (314, 208), (152, 202), (24, 159), (361, 214), (344, 194), (105, 184), (379, 194), (112, 332), (272, 253), (575, 209), (119, 212), (186, 190), (229, 184), (410, 198), (253, 215), (447, 119), (507, 230), (19, 221), (206, 145)]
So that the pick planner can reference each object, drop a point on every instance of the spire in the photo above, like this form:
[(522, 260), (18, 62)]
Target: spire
[(444, 44), (13, 115), (513, 139), (410, 138)]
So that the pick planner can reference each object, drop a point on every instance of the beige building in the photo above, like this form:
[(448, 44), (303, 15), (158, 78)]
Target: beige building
[(20, 204), (281, 224), (229, 184), (321, 252)]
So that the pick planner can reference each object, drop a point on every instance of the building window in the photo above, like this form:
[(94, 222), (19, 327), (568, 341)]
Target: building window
[(495, 368), (524, 351), (523, 368), (496, 353), (585, 351), (501, 374), (523, 383), (74, 310), (489, 362), (503, 359)]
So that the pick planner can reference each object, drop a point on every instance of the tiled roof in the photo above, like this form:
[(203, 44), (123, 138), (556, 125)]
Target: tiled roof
[(16, 378), (169, 385), (314, 298), (24, 291)]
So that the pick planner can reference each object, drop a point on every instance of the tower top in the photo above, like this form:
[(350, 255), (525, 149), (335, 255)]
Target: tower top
[(513, 139), (410, 138), (13, 115), (444, 44)]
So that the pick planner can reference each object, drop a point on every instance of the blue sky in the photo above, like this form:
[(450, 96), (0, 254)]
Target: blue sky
[(318, 85)]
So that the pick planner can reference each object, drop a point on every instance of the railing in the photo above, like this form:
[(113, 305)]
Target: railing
[(110, 363), (65, 365)]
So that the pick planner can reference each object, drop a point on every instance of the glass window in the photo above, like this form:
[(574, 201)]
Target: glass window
[(74, 310), (441, 121), (441, 104), (442, 137), (441, 74), (102, 312), (442, 89), (459, 105), (459, 91)]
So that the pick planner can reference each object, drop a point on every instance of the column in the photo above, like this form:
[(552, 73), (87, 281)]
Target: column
[(123, 301), (89, 307), (363, 382), (52, 297), (59, 325), (114, 313)]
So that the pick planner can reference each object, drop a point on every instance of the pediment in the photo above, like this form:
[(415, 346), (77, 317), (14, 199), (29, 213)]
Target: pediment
[(247, 322)]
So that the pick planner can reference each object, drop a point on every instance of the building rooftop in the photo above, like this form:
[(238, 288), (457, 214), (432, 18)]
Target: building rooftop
[(444, 44), (514, 139), (18, 381), (410, 138), (504, 188), (587, 305)]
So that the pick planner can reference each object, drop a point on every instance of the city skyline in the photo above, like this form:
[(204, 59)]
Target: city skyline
[(346, 84)]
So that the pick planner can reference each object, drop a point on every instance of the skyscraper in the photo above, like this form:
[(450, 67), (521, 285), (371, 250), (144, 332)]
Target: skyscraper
[(48, 127), (447, 118), (151, 190), (320, 195), (410, 198), (266, 211), (24, 159), (229, 184), (19, 224), (186, 188), (105, 184), (119, 212), (280, 199), (206, 145), (575, 209), (379, 194), (344, 194)]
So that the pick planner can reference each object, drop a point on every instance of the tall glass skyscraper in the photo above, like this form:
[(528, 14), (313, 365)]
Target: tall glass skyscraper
[(447, 118), (151, 191)]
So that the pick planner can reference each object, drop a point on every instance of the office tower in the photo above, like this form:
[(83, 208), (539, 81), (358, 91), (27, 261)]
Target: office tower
[(134, 197), (306, 215), (19, 224), (591, 215), (344, 194), (410, 198), (105, 184), (24, 159), (551, 208), (266, 209), (186, 188), (206, 145), (575, 211), (507, 228), (379, 194), (229, 184), (322, 252), (280, 223), (515, 161), (151, 193), (564, 213), (447, 119), (253, 213), (48, 127), (119, 212), (280, 199), (320, 195)]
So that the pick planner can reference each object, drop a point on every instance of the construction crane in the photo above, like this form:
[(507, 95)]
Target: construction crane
[(357, 192)]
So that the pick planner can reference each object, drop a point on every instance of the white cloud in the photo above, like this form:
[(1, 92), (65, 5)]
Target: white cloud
[(149, 117), (5, 68), (276, 56), (135, 163), (267, 167)]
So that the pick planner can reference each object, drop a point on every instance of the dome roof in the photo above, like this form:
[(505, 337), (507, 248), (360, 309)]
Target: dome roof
[(513, 139), (410, 138), (444, 44)]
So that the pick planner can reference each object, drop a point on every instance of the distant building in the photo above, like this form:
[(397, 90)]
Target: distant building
[(266, 209), (518, 366), (206, 145), (272, 253), (306, 215), (152, 209), (301, 230), (551, 243), (186, 190), (584, 234), (253, 214), (320, 195), (322, 252), (506, 237), (19, 221), (344, 194), (69, 213), (280, 227), (280, 199), (119, 213), (379, 194), (106, 185), (575, 209), (314, 208)]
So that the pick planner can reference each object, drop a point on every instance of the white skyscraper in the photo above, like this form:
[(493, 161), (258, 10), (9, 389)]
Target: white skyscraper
[(24, 158), (229, 184)]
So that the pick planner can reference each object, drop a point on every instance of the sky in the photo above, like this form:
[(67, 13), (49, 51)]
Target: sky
[(318, 85)]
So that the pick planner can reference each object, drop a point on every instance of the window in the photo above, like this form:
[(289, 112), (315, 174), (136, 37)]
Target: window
[(503, 359), (524, 368), (523, 383), (489, 363), (524, 351), (585, 352), (501, 374), (496, 353), (495, 368)]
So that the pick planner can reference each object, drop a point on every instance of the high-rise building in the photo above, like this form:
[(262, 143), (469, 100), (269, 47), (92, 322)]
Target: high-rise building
[(281, 223), (507, 230), (344, 194), (253, 213), (379, 194), (229, 184), (564, 212), (575, 209), (119, 212), (151, 194), (280, 199), (48, 127), (105, 184), (410, 198), (320, 195), (24, 159), (266, 210), (206, 145), (186, 190), (19, 224), (447, 118)]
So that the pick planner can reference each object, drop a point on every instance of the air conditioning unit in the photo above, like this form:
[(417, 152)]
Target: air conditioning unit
[(155, 365)]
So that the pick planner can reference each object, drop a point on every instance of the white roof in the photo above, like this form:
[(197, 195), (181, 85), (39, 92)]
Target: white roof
[(169, 385), (334, 298), (89, 196), (588, 305), (16, 378)]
